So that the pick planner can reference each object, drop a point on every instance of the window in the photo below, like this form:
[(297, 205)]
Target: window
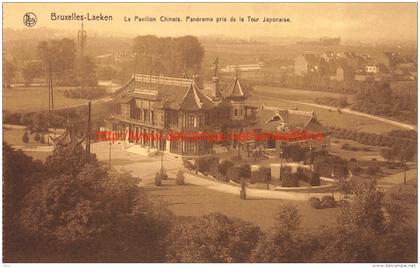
[(206, 120), (174, 118), (174, 146), (189, 146), (190, 120), (146, 115), (138, 114), (153, 116), (200, 120), (236, 112)]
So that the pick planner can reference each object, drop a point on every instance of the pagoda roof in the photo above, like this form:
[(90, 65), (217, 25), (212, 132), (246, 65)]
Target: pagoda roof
[(173, 93), (69, 137), (236, 89)]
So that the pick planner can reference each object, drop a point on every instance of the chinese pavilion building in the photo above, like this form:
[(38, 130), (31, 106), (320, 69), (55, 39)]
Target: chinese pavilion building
[(156, 105)]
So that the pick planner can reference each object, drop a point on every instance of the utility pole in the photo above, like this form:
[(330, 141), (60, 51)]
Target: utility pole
[(281, 161), (50, 88), (310, 167), (404, 166), (332, 177), (109, 163), (81, 41), (88, 133)]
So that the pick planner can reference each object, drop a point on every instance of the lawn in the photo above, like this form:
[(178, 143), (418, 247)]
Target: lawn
[(35, 99), (191, 200), (326, 117), (374, 152), (295, 94)]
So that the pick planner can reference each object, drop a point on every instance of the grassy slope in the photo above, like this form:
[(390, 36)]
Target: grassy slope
[(279, 97), (190, 200), (34, 99)]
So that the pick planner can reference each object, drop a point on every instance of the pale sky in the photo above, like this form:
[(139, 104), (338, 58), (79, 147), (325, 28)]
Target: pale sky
[(351, 21)]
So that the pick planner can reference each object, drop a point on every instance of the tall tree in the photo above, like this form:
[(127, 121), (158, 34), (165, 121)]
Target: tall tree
[(31, 70), (60, 55), (9, 73), (212, 238)]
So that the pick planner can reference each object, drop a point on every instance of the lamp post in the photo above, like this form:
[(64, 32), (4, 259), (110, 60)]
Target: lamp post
[(161, 157), (310, 167), (281, 161), (310, 161), (404, 166), (109, 160)]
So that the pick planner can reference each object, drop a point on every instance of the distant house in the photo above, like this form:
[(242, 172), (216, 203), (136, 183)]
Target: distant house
[(292, 122), (371, 69), (340, 74), (242, 68), (306, 63)]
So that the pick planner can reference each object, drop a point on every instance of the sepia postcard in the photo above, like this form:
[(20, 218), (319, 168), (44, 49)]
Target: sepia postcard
[(210, 133)]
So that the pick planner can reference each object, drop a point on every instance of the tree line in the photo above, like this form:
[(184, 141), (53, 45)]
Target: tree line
[(58, 57), (176, 57)]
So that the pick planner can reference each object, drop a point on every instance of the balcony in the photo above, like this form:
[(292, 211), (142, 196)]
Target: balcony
[(137, 121)]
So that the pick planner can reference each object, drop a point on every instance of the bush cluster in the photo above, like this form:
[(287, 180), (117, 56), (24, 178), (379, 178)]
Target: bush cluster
[(326, 201), (403, 138), (85, 93), (262, 175)]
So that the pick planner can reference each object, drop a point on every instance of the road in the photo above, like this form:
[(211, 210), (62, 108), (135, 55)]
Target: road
[(347, 110), (388, 182)]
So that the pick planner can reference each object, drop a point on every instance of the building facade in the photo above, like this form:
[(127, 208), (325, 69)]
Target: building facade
[(167, 108)]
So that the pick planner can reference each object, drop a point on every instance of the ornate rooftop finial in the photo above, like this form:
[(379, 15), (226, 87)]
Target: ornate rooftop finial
[(216, 65)]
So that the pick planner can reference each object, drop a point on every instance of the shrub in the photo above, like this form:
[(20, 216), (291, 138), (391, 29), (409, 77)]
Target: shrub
[(357, 170), (163, 174), (235, 158), (37, 137), (224, 166), (346, 146), (392, 165), (289, 180), (405, 193), (180, 179), (265, 173), (233, 174), (343, 203), (373, 170), (25, 137), (158, 179), (188, 165), (244, 171), (314, 202), (202, 164), (214, 169), (315, 180), (328, 201), (85, 93)]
